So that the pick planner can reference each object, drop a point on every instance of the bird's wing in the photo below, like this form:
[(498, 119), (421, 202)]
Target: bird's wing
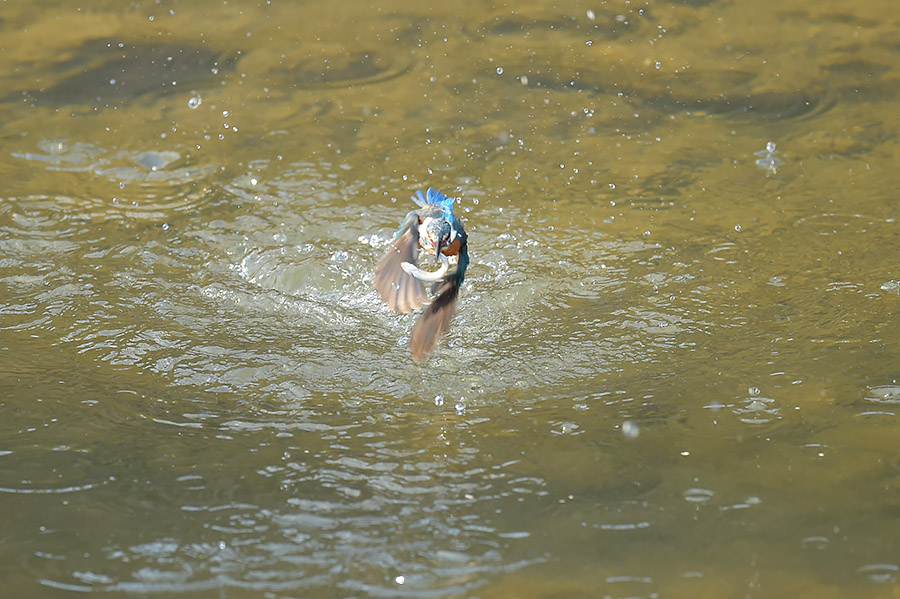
[(435, 321), (401, 291)]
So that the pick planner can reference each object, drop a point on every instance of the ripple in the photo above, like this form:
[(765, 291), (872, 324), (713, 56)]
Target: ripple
[(49, 491), (697, 495), (350, 69), (884, 394), (758, 410), (816, 542), (145, 184), (880, 573)]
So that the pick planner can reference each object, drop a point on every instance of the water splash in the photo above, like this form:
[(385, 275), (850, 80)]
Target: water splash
[(767, 158)]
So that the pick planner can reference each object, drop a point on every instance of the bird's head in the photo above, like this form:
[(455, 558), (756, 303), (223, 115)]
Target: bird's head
[(436, 234)]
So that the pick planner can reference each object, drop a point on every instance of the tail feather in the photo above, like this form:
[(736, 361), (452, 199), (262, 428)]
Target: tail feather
[(434, 322)]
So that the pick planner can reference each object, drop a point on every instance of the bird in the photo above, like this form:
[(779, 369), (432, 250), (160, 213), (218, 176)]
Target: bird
[(434, 229)]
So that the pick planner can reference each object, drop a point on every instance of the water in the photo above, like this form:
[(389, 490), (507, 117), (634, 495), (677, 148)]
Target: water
[(671, 372)]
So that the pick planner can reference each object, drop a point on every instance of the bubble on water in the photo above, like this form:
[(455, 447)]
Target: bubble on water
[(395, 285), (565, 428), (753, 391), (340, 256), (400, 579), (225, 113), (460, 407), (438, 400), (630, 429), (165, 226), (499, 70), (195, 102)]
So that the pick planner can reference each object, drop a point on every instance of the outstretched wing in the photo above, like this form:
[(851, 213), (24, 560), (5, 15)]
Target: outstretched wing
[(401, 291)]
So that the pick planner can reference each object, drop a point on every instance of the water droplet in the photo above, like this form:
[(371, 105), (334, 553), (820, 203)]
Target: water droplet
[(195, 102), (395, 285), (630, 429)]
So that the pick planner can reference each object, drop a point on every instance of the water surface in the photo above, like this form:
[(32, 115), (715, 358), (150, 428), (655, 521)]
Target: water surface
[(673, 371)]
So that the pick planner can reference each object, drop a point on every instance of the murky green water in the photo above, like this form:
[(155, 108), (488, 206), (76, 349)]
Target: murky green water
[(674, 372)]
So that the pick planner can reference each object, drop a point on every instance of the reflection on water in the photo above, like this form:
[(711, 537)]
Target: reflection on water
[(672, 372)]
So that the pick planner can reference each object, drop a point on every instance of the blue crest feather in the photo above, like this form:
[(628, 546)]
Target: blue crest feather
[(433, 196)]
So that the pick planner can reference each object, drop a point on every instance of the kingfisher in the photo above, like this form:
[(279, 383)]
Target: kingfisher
[(434, 229)]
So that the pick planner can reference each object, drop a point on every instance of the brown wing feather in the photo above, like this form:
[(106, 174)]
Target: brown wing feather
[(400, 291), (434, 322)]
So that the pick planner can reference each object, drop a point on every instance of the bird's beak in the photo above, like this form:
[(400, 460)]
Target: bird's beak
[(437, 251)]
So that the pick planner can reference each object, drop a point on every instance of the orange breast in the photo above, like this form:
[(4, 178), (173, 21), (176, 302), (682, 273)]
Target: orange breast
[(452, 249)]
